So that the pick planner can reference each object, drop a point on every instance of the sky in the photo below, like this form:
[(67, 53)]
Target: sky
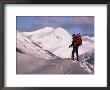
[(72, 24)]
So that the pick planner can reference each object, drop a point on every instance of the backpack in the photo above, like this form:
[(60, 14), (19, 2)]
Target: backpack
[(78, 40)]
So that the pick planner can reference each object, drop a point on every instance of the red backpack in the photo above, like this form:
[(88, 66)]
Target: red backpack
[(78, 40)]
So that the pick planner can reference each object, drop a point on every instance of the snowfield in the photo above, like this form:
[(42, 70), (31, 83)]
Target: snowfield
[(27, 46), (27, 64), (47, 51)]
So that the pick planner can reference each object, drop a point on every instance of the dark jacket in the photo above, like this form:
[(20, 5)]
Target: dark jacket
[(73, 42)]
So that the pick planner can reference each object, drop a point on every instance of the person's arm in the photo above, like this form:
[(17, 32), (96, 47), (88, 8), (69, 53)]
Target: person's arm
[(71, 44)]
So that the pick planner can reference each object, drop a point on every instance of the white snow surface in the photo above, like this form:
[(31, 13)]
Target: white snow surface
[(55, 40), (27, 46)]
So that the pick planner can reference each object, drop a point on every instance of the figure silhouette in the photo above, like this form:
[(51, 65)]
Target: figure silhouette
[(76, 42)]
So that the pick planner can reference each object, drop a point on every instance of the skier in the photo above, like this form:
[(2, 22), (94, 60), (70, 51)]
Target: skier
[(77, 41)]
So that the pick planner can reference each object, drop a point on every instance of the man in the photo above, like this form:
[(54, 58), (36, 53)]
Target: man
[(77, 41)]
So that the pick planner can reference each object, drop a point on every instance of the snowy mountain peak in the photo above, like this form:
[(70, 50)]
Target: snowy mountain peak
[(45, 29), (57, 40), (60, 29), (61, 33), (48, 28), (27, 46)]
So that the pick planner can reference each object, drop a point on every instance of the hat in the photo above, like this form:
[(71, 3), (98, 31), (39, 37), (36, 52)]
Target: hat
[(73, 35)]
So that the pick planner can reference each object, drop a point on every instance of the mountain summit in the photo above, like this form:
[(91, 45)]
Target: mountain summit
[(57, 40)]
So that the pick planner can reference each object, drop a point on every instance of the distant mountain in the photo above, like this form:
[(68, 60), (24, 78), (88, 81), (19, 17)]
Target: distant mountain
[(57, 41), (25, 45)]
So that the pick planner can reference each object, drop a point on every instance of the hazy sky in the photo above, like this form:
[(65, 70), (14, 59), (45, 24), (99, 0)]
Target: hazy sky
[(73, 24)]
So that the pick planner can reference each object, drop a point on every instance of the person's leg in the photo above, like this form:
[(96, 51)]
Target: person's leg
[(73, 51), (72, 57), (77, 53)]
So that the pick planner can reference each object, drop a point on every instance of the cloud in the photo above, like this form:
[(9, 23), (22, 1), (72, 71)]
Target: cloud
[(78, 20), (84, 22), (66, 22), (51, 19)]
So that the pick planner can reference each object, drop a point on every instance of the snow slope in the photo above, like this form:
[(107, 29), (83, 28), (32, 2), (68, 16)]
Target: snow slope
[(25, 45), (57, 41), (28, 64)]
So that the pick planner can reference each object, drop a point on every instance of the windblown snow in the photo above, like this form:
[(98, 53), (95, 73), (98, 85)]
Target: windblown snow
[(52, 43)]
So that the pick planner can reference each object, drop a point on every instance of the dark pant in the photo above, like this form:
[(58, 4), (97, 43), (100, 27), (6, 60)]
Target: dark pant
[(75, 49)]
